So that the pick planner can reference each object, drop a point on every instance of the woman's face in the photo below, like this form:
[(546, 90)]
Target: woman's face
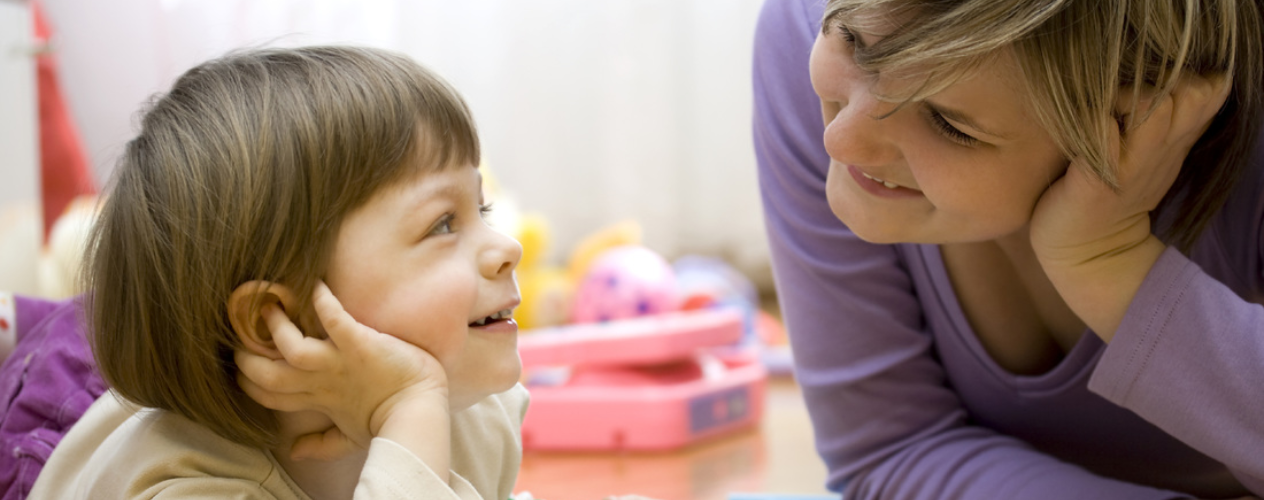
[(967, 164)]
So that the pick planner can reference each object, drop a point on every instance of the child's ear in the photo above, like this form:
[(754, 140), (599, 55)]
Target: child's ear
[(245, 313)]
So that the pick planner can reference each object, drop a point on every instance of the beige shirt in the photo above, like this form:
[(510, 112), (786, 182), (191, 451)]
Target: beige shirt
[(119, 451)]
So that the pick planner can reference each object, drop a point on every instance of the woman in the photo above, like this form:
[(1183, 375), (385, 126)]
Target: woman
[(1020, 255)]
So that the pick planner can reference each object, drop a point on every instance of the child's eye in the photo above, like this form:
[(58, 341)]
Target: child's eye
[(443, 226), (946, 129), (484, 209)]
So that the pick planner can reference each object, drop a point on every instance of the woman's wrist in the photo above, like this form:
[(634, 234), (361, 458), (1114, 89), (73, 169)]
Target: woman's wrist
[(1100, 288)]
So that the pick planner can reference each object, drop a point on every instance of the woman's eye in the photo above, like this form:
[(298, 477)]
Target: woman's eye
[(946, 129), (845, 34), (444, 226)]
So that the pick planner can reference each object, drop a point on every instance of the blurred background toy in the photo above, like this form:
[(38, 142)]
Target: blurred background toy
[(62, 257), (546, 290), (708, 282), (611, 276), (625, 282), (549, 291), (627, 232), (653, 382)]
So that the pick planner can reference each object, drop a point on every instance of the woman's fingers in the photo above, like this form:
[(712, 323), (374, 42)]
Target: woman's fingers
[(1141, 141), (1198, 99)]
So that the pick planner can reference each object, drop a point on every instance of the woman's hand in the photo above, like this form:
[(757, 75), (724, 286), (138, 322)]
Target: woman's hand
[(1095, 243), (358, 377)]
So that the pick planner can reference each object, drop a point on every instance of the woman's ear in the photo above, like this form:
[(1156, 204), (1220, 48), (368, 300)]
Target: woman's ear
[(245, 313)]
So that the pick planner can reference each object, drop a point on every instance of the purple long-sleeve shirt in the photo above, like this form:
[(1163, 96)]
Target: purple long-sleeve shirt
[(907, 404)]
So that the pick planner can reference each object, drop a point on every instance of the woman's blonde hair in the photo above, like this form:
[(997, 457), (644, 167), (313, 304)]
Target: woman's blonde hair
[(244, 170), (1077, 58)]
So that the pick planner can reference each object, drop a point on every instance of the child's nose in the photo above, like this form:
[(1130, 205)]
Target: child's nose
[(501, 256)]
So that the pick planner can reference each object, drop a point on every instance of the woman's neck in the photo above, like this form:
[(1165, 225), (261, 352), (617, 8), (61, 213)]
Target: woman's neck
[(319, 479), (1049, 304)]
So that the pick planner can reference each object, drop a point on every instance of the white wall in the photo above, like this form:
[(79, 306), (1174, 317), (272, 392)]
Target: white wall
[(20, 226), (18, 162), (591, 111)]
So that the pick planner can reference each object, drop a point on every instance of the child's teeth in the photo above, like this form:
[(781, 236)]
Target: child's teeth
[(891, 185), (499, 315)]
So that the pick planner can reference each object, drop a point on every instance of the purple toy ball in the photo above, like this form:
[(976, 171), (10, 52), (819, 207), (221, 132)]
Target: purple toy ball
[(625, 282)]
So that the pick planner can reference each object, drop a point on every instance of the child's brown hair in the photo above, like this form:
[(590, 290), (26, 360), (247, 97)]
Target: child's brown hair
[(244, 171)]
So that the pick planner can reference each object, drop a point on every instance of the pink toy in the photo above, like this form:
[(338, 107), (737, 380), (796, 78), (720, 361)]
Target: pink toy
[(651, 383), (707, 281), (625, 282)]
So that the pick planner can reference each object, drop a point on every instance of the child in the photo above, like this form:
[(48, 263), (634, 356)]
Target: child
[(283, 187)]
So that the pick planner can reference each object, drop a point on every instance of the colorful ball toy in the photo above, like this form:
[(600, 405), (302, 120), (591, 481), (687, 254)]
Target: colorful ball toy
[(625, 282)]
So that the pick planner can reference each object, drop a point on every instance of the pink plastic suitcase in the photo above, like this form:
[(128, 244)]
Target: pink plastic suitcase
[(649, 383)]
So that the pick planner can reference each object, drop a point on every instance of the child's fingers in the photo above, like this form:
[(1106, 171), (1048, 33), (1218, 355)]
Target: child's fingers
[(269, 399), (302, 352), (275, 376), (331, 444), (339, 325)]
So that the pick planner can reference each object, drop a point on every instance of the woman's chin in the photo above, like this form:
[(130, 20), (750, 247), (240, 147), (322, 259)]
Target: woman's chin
[(867, 228), (882, 236)]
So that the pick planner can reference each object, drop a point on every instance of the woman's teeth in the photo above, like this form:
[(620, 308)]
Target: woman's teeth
[(888, 184)]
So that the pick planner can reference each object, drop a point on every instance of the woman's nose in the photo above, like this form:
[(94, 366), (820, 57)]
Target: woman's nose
[(859, 131), (500, 256)]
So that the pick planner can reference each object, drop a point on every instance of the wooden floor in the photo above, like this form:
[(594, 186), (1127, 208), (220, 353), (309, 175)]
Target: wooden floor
[(777, 458)]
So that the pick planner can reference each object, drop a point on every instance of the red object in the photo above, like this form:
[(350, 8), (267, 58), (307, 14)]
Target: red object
[(64, 172)]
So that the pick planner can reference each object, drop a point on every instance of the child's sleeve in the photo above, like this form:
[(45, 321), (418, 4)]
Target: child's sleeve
[(486, 454), (392, 471)]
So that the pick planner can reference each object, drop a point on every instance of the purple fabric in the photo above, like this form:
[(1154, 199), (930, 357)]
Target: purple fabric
[(46, 385), (905, 402)]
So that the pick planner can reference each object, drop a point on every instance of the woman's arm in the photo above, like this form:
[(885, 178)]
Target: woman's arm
[(1188, 357), (886, 424), (1190, 349)]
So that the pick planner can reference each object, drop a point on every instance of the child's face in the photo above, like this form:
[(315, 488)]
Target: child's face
[(419, 262), (949, 187)]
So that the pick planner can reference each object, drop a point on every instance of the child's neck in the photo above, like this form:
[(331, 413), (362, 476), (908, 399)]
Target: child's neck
[(319, 479)]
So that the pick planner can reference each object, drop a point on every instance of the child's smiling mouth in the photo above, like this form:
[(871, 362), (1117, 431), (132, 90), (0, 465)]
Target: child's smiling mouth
[(504, 314)]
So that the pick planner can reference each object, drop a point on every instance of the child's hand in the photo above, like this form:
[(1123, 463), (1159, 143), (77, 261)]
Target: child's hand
[(358, 377)]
